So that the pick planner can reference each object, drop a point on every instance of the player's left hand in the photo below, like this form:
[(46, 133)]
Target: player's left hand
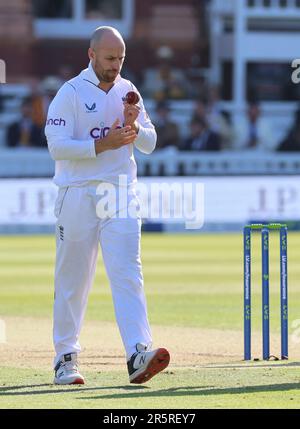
[(131, 112)]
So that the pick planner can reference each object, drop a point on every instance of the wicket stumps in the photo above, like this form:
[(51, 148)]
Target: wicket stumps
[(265, 229)]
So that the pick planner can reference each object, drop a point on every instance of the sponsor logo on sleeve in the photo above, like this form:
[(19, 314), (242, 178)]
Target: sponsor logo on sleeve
[(56, 122)]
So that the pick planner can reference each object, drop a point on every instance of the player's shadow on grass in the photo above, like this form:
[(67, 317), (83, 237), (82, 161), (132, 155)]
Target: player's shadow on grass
[(11, 390), (27, 386), (200, 391)]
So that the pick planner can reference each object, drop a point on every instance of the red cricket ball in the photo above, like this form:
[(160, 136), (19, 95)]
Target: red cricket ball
[(131, 97)]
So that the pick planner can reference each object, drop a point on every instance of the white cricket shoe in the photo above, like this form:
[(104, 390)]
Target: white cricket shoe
[(66, 370), (143, 365)]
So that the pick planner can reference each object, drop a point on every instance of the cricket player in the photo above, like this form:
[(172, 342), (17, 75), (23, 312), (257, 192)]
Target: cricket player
[(91, 134)]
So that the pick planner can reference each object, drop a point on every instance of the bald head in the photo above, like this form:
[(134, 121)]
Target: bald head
[(106, 36), (107, 54)]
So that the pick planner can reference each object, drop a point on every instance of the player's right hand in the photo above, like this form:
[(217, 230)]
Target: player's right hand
[(115, 138)]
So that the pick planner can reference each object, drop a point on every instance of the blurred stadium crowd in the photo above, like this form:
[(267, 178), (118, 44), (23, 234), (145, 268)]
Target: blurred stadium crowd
[(208, 126), (202, 125)]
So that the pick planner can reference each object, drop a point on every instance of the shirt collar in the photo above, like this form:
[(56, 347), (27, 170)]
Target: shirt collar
[(90, 75)]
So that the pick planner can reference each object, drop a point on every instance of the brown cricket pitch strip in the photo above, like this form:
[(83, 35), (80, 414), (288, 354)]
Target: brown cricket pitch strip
[(29, 345)]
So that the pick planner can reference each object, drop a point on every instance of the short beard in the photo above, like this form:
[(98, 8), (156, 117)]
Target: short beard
[(103, 77), (107, 79)]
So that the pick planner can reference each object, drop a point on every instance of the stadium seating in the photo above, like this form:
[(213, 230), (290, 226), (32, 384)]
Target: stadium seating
[(37, 162), (168, 162), (12, 96)]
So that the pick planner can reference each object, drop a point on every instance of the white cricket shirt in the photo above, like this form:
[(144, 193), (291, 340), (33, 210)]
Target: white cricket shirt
[(79, 114)]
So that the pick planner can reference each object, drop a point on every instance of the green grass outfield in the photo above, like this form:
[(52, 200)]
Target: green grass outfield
[(191, 281)]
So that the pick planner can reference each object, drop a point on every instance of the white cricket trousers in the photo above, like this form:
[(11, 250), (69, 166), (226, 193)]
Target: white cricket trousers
[(79, 230)]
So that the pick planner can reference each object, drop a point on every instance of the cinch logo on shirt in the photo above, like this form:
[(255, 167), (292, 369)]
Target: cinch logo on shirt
[(99, 133), (57, 122)]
